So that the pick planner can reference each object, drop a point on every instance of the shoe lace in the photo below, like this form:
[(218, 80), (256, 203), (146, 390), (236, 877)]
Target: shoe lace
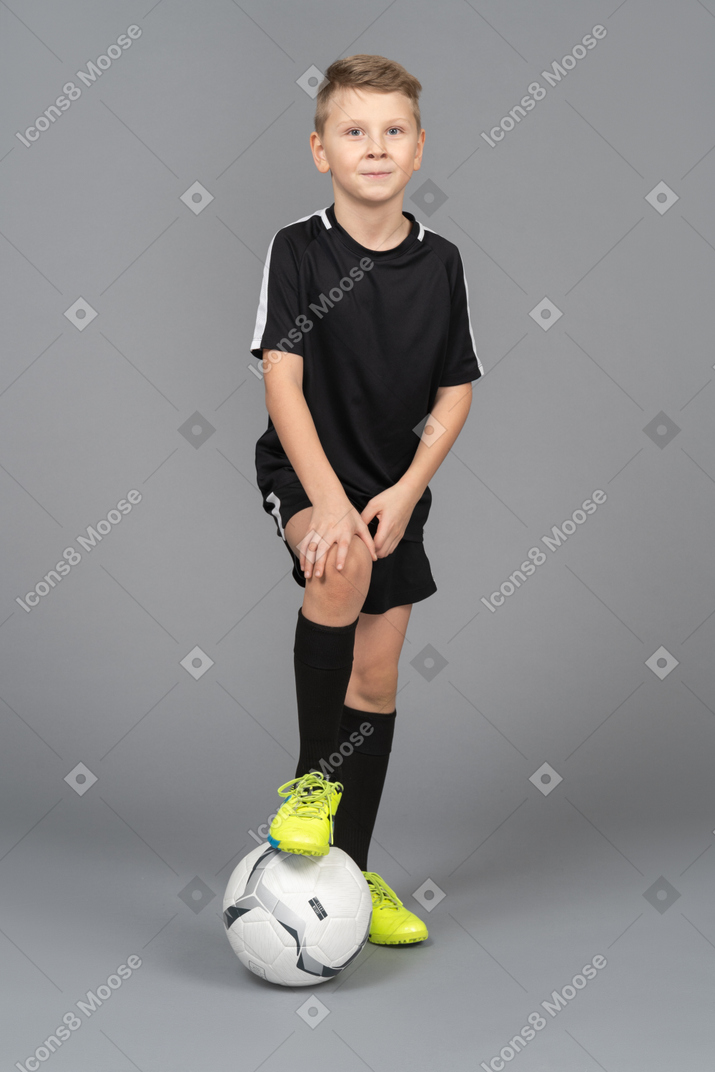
[(383, 897), (311, 793)]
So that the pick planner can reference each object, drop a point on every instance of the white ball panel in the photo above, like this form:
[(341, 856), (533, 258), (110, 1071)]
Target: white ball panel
[(329, 934)]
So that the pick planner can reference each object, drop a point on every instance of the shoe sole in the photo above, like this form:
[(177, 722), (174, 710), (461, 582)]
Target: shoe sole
[(400, 941), (301, 850)]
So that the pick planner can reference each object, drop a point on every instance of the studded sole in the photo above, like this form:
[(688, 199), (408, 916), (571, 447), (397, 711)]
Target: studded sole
[(303, 852), (402, 941), (296, 851)]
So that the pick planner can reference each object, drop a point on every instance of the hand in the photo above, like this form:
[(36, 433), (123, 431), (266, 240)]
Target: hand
[(333, 520), (394, 507)]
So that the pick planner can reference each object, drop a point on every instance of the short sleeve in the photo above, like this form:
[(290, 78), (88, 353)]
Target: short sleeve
[(462, 365), (275, 327)]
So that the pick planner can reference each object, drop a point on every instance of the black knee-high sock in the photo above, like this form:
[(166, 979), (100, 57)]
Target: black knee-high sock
[(362, 773), (322, 659)]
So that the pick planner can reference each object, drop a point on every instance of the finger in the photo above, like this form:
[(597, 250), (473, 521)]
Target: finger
[(321, 552), (322, 556), (372, 544), (367, 539), (309, 540), (343, 552), (303, 548), (311, 553)]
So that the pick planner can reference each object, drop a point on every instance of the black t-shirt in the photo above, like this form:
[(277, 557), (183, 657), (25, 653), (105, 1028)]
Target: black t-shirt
[(379, 331)]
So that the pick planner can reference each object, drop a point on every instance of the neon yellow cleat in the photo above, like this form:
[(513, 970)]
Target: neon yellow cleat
[(392, 923), (304, 824)]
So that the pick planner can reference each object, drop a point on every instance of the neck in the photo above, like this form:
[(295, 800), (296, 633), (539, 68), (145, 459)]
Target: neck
[(378, 226)]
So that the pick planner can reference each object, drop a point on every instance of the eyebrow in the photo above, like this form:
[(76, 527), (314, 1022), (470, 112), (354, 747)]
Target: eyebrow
[(360, 122)]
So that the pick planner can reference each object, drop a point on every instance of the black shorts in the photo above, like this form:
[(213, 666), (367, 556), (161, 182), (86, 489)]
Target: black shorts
[(402, 577)]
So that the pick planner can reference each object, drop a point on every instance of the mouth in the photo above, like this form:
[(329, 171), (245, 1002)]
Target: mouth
[(376, 174)]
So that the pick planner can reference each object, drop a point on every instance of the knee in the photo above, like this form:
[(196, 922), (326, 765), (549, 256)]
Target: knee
[(341, 585)]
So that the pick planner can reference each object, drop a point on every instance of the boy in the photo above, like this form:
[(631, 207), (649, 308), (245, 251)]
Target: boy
[(364, 330)]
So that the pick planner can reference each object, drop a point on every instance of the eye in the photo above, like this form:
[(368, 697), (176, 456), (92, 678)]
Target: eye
[(396, 128), (354, 128)]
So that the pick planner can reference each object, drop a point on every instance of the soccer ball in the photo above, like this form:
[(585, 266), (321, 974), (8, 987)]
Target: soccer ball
[(297, 920)]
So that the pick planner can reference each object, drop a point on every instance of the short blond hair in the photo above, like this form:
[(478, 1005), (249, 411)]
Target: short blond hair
[(373, 72)]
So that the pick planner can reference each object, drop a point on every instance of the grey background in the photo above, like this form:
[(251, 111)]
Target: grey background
[(530, 879)]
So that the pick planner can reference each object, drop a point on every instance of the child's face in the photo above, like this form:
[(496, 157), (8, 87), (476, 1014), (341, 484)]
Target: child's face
[(369, 131)]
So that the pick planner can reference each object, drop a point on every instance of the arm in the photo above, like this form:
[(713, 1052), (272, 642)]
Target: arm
[(296, 430), (451, 407), (333, 519), (294, 424)]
